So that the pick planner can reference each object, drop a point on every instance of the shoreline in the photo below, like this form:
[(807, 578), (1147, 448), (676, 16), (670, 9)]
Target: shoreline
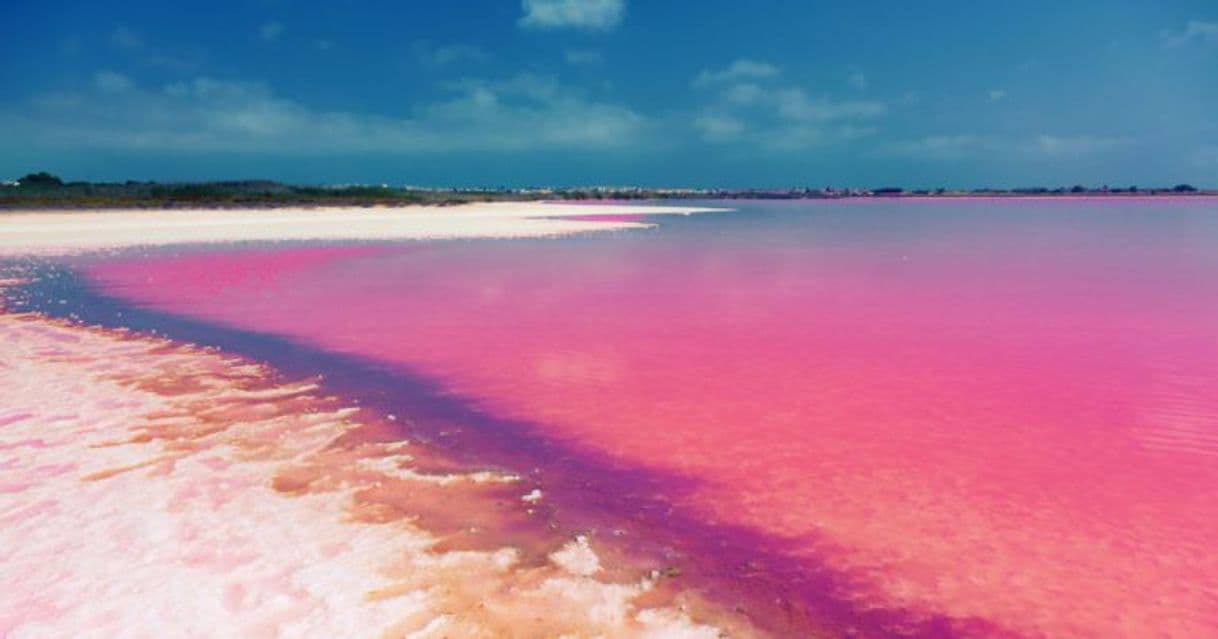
[(613, 202), (156, 482), (50, 233), (568, 492), (187, 486), (628, 199)]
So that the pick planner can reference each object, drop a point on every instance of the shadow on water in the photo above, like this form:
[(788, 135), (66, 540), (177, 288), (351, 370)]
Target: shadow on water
[(740, 569)]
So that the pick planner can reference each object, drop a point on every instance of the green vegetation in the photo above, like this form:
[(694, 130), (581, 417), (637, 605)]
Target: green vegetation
[(44, 190), (40, 180)]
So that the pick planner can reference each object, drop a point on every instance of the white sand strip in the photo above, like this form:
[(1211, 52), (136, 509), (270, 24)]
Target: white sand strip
[(65, 232)]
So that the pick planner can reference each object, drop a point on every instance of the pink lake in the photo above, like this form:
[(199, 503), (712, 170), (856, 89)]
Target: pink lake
[(928, 418)]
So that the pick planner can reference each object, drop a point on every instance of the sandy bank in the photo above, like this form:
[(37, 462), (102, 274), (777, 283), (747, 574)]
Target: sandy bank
[(62, 232), (156, 489)]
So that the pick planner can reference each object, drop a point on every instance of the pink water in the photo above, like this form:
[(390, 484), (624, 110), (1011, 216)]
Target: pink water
[(976, 418)]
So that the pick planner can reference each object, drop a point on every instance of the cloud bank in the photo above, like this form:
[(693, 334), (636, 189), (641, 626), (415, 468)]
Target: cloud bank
[(521, 113)]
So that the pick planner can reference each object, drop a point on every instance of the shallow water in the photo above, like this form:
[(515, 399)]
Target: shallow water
[(937, 418)]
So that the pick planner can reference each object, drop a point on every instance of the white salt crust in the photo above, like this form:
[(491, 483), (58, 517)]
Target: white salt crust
[(104, 533), (68, 232)]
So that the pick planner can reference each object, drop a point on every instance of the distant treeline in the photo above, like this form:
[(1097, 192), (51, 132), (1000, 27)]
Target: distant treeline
[(44, 190)]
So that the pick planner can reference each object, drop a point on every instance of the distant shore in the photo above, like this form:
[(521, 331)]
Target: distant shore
[(605, 199), (64, 229), (45, 191)]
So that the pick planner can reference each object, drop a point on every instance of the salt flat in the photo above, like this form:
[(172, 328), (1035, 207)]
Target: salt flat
[(63, 232)]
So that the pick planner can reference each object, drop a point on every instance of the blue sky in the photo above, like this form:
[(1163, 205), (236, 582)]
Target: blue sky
[(784, 93)]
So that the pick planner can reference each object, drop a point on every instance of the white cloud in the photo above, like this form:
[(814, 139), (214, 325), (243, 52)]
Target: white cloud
[(858, 80), (522, 113), (124, 38), (589, 15), (181, 62), (1196, 30), (1075, 145), (743, 69), (719, 128), (270, 31), (748, 106), (583, 57), (448, 54), (175, 57), (745, 93), (111, 82), (965, 146), (997, 95), (943, 147), (794, 104), (786, 137)]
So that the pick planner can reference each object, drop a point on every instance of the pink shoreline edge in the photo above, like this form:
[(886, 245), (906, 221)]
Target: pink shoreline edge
[(128, 507)]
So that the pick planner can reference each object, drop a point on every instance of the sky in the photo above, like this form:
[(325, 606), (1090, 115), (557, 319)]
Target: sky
[(614, 92)]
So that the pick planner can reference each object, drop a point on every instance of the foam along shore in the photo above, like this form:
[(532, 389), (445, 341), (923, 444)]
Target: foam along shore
[(154, 488), (63, 232)]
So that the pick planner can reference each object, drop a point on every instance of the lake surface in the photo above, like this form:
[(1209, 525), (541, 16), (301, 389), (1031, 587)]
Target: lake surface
[(929, 418)]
